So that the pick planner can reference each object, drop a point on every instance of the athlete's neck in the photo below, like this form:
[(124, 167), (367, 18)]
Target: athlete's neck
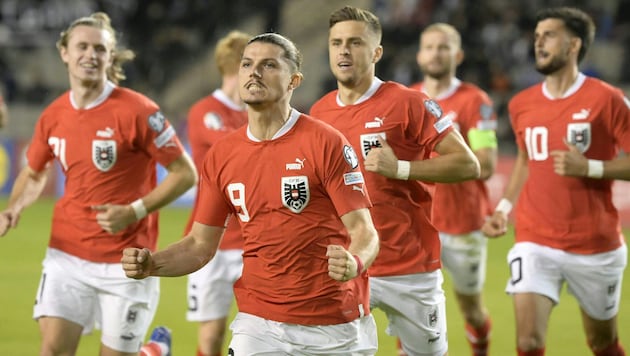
[(433, 87), (85, 93), (560, 81), (265, 122), (350, 93)]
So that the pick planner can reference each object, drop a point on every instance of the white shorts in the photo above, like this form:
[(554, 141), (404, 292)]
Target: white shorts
[(416, 310), (97, 295), (210, 289), (252, 335), (464, 257), (594, 280)]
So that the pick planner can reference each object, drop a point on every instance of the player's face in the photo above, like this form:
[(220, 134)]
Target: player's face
[(437, 56), (352, 52), (88, 54), (264, 74), (553, 45)]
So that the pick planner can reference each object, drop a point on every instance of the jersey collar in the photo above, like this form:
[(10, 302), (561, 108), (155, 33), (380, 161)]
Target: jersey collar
[(376, 83), (107, 91), (576, 85)]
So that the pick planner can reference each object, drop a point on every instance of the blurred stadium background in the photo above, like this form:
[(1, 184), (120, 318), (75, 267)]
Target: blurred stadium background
[(174, 41)]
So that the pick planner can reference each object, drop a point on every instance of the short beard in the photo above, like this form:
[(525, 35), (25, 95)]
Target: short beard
[(552, 67), (435, 74)]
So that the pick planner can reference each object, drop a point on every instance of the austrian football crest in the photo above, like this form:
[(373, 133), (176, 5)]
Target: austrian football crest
[(369, 141), (104, 154), (579, 134), (295, 193)]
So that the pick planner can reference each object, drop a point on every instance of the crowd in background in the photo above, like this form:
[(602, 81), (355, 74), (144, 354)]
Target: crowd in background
[(168, 35)]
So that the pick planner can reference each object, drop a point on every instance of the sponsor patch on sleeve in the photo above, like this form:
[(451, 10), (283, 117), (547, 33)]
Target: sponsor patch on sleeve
[(165, 137), (443, 124), (353, 178)]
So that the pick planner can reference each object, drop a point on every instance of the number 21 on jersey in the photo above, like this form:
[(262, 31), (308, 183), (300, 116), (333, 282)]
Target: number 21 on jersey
[(59, 149)]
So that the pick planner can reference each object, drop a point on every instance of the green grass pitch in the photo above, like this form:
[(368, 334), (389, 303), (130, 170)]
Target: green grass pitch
[(22, 251)]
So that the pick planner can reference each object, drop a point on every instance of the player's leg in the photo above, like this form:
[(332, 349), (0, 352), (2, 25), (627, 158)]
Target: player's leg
[(64, 305), (595, 281), (532, 313), (127, 308), (464, 258), (210, 335), (415, 308), (59, 336), (535, 283), (210, 295), (602, 336)]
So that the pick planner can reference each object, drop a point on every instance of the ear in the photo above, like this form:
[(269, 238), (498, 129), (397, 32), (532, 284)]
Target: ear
[(378, 54), (576, 44), (296, 80), (459, 57), (63, 53)]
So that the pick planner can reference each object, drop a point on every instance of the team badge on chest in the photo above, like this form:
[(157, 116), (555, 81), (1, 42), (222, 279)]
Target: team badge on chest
[(295, 193), (369, 141), (579, 135), (104, 154)]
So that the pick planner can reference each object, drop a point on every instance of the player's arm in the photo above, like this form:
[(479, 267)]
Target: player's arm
[(573, 163), (183, 257), (364, 246), (28, 186), (455, 163), (496, 225), (181, 176)]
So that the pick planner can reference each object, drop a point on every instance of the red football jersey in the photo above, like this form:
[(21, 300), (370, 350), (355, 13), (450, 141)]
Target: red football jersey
[(459, 208), (108, 153), (575, 214), (209, 119), (288, 193), (401, 212)]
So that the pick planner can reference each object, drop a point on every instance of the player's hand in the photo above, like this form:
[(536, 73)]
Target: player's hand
[(571, 162), (496, 225), (8, 220), (382, 160), (137, 263), (113, 218), (341, 264)]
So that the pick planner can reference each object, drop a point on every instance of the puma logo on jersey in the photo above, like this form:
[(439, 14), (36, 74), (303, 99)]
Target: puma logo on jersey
[(107, 133), (360, 189), (378, 122), (295, 166), (582, 115)]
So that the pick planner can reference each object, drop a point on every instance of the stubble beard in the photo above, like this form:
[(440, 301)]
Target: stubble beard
[(553, 66)]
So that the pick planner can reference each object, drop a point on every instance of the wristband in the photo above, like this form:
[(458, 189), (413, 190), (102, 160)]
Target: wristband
[(403, 170), (504, 206), (359, 265), (595, 168), (139, 209)]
